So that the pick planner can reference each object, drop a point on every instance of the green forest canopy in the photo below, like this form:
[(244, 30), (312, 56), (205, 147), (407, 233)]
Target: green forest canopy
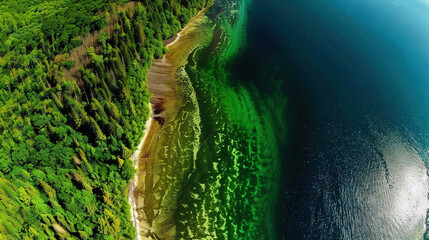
[(67, 139)]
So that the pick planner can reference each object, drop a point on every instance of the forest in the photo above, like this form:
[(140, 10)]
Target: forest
[(73, 105)]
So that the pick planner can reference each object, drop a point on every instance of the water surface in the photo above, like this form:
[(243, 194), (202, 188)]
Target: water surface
[(356, 74), (312, 123)]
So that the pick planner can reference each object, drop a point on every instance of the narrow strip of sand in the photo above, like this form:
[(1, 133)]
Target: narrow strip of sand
[(162, 83)]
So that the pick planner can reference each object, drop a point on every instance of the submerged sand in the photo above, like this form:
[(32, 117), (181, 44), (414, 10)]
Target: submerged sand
[(152, 204)]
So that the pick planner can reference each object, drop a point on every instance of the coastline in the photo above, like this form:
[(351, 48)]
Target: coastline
[(163, 84), (132, 184)]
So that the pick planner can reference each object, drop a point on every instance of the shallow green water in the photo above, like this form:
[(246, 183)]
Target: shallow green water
[(231, 190), (356, 77)]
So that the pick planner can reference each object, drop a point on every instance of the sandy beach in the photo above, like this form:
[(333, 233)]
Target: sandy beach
[(149, 211)]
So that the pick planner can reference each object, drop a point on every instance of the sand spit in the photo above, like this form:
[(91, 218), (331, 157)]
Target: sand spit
[(152, 210)]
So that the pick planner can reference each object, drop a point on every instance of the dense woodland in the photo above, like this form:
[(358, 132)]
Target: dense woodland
[(73, 104)]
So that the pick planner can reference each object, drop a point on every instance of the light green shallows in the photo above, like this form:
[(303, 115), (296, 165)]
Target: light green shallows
[(230, 192)]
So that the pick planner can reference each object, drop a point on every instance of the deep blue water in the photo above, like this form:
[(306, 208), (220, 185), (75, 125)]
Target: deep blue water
[(356, 76)]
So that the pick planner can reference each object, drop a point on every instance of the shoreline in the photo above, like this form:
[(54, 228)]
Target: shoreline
[(162, 85), (132, 184), (177, 37)]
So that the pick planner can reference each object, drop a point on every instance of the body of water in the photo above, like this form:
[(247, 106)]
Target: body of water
[(314, 121), (356, 74)]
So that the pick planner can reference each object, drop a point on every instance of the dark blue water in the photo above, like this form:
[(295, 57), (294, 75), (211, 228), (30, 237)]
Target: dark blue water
[(356, 75)]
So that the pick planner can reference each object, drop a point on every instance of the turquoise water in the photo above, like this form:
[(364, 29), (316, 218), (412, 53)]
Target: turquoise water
[(314, 122), (356, 77)]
